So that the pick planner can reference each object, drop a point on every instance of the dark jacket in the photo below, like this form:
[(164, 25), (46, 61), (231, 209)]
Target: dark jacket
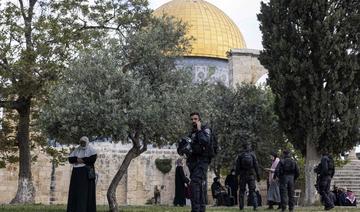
[(200, 140), (241, 171), (325, 166), (232, 182), (216, 189), (282, 170)]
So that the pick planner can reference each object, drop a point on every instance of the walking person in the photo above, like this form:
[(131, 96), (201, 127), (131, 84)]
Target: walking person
[(82, 183), (247, 169), (180, 181), (287, 171), (326, 171), (273, 194)]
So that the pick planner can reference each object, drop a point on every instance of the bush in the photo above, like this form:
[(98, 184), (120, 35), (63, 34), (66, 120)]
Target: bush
[(164, 165)]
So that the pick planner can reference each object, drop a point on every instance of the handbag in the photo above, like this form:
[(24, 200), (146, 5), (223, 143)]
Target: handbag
[(91, 173)]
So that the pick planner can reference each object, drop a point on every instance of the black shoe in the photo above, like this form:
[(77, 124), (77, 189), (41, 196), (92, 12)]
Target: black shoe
[(270, 208)]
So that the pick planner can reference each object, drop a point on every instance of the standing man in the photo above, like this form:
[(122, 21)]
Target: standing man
[(287, 172), (247, 169), (232, 182), (326, 171), (198, 162)]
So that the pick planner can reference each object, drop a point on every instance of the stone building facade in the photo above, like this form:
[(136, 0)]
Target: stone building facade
[(244, 66), (136, 187)]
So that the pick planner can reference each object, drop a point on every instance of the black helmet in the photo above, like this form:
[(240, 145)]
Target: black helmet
[(184, 146)]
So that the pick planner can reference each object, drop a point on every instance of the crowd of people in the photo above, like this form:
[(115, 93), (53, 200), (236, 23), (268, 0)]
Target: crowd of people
[(199, 151), (281, 179), (282, 175)]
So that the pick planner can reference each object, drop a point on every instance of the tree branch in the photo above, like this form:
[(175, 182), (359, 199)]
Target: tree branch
[(8, 104), (22, 10), (85, 27), (31, 7), (145, 142), (5, 65)]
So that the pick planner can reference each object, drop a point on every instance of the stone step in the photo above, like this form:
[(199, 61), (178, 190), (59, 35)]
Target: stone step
[(352, 187), (348, 182), (350, 173), (349, 167), (346, 177)]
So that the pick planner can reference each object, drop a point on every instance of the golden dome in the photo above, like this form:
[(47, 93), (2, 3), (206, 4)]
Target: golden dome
[(214, 32)]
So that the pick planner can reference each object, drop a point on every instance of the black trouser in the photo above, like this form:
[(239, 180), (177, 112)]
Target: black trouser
[(287, 191), (250, 181), (198, 176), (233, 192), (324, 190)]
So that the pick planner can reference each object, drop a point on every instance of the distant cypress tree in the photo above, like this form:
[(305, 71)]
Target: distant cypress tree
[(311, 49)]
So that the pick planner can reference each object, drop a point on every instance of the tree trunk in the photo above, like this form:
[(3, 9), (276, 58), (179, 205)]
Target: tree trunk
[(311, 160), (52, 183), (26, 190), (111, 193)]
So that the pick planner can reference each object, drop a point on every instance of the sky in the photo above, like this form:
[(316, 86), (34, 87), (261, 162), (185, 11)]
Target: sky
[(242, 12)]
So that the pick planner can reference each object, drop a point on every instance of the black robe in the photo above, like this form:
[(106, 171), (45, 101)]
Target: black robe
[(180, 180), (232, 182), (82, 190)]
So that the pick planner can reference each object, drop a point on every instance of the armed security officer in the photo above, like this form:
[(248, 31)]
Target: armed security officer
[(287, 172), (198, 163), (326, 171), (247, 168)]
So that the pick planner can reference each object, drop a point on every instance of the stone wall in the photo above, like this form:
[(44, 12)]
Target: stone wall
[(136, 187), (244, 66)]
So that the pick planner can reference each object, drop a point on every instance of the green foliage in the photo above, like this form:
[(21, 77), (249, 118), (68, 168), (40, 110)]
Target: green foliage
[(124, 90), (32, 57), (243, 115), (38, 39), (163, 165), (311, 50)]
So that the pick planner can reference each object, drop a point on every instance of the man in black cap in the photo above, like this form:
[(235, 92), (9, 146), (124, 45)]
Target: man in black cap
[(287, 172), (247, 169)]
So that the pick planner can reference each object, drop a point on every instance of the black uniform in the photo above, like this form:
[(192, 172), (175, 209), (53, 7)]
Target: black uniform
[(198, 165), (218, 192), (232, 181), (287, 171), (247, 175), (326, 171)]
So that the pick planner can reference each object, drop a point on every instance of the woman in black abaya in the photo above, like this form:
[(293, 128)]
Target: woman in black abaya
[(82, 184), (180, 181)]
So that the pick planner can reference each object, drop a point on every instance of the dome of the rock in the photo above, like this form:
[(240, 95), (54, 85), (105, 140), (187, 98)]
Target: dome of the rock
[(214, 32)]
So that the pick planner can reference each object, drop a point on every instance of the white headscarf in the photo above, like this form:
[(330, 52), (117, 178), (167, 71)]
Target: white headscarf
[(82, 152)]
